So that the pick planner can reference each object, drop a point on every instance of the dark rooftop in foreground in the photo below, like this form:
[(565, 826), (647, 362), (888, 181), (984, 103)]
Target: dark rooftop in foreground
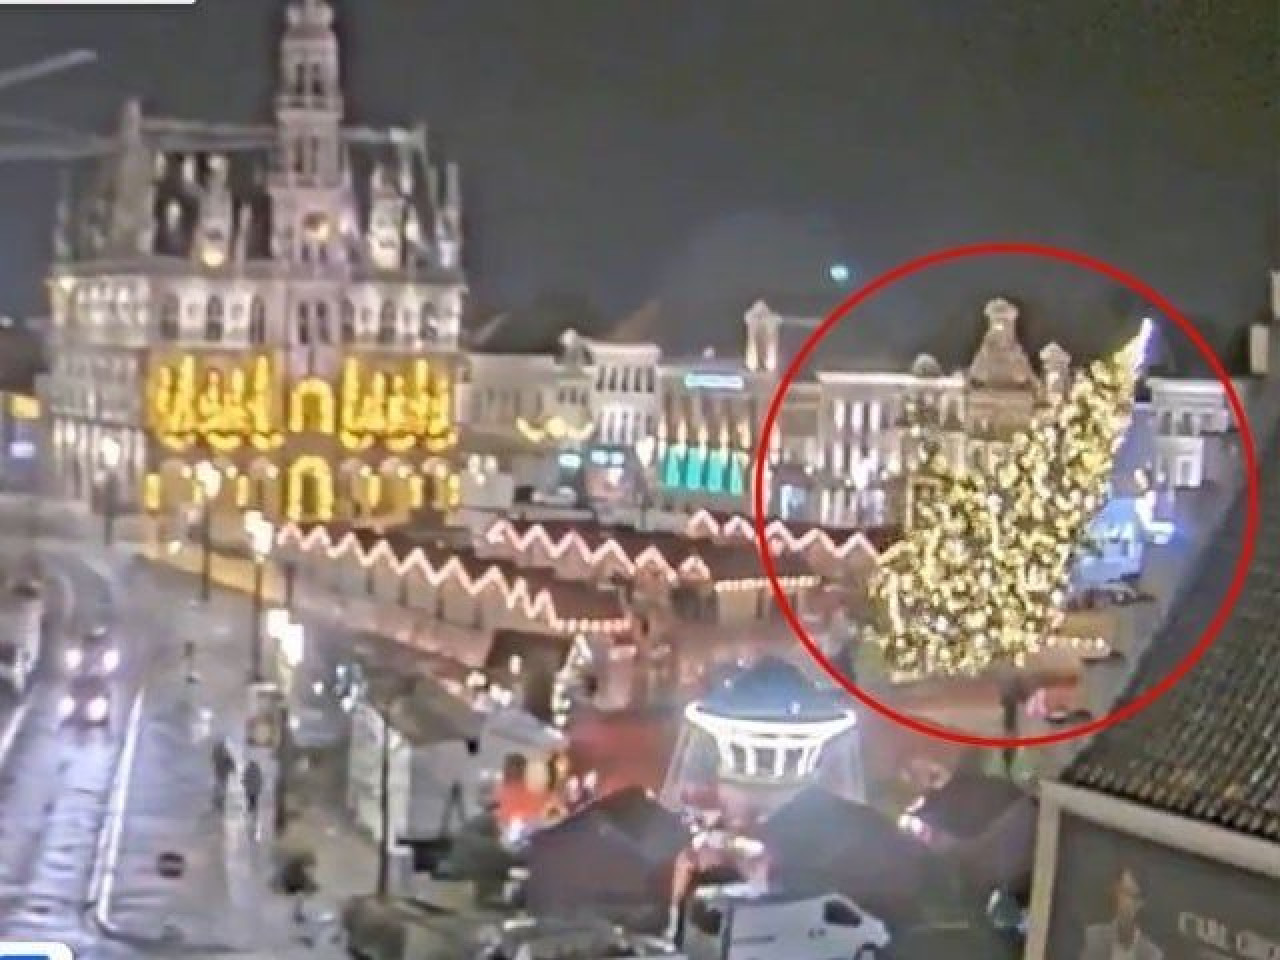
[(1209, 749)]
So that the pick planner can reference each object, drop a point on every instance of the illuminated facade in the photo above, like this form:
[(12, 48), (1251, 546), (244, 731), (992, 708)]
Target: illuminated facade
[(845, 436), (288, 311)]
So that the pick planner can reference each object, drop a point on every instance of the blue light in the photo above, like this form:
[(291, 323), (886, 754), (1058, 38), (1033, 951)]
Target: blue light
[(839, 274)]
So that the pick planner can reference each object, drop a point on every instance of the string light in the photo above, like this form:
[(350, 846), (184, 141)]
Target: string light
[(982, 577), (533, 603)]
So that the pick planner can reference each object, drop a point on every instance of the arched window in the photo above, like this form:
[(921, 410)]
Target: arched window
[(170, 318), (348, 322), (257, 321), (322, 323), (213, 320), (304, 324), (428, 320), (387, 323), (299, 78), (317, 79)]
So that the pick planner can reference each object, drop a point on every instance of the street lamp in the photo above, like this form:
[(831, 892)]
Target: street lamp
[(387, 692), (262, 537), (208, 483), (109, 451)]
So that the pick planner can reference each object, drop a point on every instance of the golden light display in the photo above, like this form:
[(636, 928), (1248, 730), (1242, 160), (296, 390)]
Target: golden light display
[(556, 428), (219, 406), (223, 408), (400, 410), (981, 578)]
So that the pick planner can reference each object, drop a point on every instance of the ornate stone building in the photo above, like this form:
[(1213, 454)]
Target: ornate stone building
[(282, 303), (846, 434)]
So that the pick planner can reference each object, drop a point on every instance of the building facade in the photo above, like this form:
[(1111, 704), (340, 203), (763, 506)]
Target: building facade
[(283, 305)]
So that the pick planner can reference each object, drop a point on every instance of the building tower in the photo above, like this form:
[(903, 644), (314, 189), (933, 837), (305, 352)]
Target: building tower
[(307, 181)]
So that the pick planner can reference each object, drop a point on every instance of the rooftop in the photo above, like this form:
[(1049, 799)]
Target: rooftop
[(1209, 749), (772, 689)]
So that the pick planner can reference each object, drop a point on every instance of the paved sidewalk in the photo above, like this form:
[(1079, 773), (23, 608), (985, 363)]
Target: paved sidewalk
[(223, 901)]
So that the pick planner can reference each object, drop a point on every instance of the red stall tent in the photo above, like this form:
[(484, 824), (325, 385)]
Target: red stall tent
[(615, 857)]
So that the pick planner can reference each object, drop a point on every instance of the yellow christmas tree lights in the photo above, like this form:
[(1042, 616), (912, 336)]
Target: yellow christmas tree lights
[(982, 576)]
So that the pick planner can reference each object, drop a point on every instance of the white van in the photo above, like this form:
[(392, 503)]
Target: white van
[(739, 922)]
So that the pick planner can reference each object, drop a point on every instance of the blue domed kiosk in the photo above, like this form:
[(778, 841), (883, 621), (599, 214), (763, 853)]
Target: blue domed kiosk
[(759, 736)]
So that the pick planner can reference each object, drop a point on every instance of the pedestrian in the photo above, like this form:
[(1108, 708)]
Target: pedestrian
[(252, 783), (224, 765), (1013, 694)]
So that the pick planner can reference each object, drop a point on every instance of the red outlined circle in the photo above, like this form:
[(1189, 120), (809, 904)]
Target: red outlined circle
[(1167, 309)]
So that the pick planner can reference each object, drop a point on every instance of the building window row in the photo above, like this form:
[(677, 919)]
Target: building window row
[(611, 379)]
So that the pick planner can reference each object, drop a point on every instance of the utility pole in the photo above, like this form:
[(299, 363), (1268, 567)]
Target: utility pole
[(388, 692)]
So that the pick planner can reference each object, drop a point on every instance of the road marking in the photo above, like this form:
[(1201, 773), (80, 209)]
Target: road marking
[(108, 852), (11, 730)]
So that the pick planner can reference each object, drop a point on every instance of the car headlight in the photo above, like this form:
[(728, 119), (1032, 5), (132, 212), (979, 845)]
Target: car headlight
[(97, 708), (73, 659), (110, 660), (66, 706)]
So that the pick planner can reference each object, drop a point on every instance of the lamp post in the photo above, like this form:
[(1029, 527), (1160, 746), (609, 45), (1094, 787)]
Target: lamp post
[(291, 638), (208, 482), (109, 451), (385, 696), (262, 537)]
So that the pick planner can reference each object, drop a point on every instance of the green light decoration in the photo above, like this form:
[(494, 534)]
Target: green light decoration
[(673, 467), (738, 474), (694, 467), (716, 465)]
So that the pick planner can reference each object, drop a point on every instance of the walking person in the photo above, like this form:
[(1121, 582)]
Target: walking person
[(252, 783), (1013, 694), (224, 766)]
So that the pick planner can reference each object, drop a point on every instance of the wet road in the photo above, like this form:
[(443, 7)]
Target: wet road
[(55, 782)]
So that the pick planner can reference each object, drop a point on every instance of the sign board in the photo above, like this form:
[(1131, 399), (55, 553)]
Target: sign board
[(262, 724), (714, 381), (17, 950), (1183, 906)]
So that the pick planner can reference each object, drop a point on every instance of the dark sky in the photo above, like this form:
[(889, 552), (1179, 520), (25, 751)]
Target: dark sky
[(707, 150)]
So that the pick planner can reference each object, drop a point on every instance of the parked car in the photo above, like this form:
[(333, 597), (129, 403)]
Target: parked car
[(740, 922)]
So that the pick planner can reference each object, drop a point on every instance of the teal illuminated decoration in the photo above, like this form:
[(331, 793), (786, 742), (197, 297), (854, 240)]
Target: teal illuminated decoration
[(738, 474), (716, 464), (694, 467), (673, 467), (717, 471)]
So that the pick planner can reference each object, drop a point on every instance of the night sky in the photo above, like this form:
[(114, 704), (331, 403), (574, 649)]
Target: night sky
[(703, 152)]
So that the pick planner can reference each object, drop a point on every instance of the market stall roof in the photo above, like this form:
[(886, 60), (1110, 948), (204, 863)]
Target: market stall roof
[(648, 828), (967, 804), (1002, 857), (1209, 749), (819, 838)]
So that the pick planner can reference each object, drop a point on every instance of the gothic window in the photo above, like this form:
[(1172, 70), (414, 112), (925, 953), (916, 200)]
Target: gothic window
[(257, 321), (322, 323), (299, 78), (170, 318), (213, 320), (387, 323), (317, 79), (348, 322), (427, 322), (304, 324)]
